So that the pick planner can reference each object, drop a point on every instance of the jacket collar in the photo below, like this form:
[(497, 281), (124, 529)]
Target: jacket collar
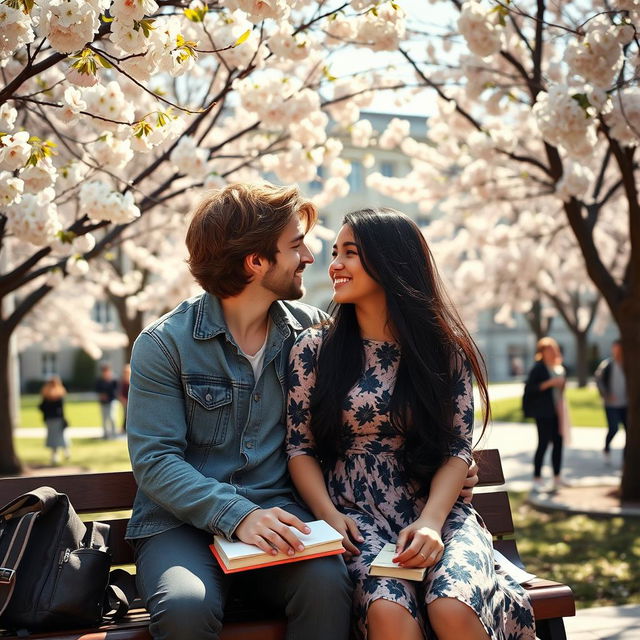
[(210, 321)]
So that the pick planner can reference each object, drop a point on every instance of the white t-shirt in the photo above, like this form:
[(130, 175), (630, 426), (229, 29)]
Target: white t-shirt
[(257, 359)]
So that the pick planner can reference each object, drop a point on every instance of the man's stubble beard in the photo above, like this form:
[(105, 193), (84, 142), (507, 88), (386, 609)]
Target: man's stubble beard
[(283, 287)]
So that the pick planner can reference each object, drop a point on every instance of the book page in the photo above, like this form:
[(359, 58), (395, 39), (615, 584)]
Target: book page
[(321, 533), (519, 575), (385, 557)]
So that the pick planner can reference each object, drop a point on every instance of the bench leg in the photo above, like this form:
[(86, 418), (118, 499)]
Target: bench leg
[(551, 629)]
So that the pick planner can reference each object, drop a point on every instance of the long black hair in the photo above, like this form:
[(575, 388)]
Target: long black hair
[(435, 347)]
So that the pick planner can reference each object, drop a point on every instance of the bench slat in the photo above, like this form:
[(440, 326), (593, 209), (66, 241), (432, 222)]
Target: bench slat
[(489, 467), (495, 510), (110, 491)]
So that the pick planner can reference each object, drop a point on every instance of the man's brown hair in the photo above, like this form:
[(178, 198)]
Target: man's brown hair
[(234, 222)]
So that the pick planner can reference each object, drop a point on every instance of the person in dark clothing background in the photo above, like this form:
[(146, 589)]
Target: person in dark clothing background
[(106, 388), (544, 400), (52, 408), (612, 386)]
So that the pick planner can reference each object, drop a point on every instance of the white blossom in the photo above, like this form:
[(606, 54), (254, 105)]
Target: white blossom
[(189, 159), (575, 181), (597, 56), (39, 176), (480, 28), (8, 117), (67, 24), (11, 189), (397, 130), (133, 9), (259, 10), (624, 118), (15, 30), (562, 121), (14, 150), (100, 202), (76, 266), (35, 218), (383, 29)]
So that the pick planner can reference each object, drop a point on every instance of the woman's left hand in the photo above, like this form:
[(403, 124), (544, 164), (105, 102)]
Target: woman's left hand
[(418, 545)]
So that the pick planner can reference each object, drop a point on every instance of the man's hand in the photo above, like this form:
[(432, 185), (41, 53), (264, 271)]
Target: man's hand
[(469, 482), (348, 528), (268, 530)]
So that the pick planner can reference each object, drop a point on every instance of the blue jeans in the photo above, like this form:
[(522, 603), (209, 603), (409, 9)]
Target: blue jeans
[(615, 416), (108, 412), (185, 590)]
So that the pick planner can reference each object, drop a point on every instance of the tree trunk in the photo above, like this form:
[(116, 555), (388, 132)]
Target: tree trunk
[(9, 463), (630, 336), (539, 324), (582, 357)]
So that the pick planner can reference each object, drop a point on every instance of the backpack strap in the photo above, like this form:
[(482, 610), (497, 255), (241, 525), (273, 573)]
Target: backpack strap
[(13, 556), (120, 594)]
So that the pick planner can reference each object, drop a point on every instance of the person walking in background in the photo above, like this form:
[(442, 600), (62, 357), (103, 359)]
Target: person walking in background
[(52, 407), (544, 400), (123, 394), (106, 388), (612, 386)]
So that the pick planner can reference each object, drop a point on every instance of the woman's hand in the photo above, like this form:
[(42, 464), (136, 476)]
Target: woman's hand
[(348, 528), (418, 545)]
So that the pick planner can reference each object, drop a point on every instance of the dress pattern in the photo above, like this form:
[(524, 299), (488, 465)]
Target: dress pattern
[(370, 486)]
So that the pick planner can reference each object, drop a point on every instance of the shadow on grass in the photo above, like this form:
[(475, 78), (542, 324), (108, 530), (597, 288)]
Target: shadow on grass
[(599, 558)]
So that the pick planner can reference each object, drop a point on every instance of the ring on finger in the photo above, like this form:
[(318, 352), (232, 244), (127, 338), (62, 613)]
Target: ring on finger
[(422, 554)]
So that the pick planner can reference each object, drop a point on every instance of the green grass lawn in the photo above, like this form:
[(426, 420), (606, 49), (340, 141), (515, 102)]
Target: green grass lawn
[(79, 412), (89, 454), (585, 408), (599, 558)]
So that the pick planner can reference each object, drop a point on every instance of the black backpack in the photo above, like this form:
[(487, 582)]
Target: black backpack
[(54, 569)]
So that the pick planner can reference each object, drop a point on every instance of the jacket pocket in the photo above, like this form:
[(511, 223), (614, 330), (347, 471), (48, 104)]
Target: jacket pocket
[(208, 411)]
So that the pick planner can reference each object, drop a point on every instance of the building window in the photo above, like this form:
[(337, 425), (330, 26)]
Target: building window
[(387, 169), (102, 312), (49, 365), (355, 179)]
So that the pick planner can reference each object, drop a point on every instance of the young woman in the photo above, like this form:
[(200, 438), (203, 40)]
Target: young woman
[(544, 400), (380, 415), (52, 408)]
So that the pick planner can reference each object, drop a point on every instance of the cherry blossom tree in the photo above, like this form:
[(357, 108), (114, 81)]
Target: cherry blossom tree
[(114, 110), (539, 114), (531, 266)]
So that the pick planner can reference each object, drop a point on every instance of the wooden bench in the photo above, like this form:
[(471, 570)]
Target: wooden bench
[(96, 493)]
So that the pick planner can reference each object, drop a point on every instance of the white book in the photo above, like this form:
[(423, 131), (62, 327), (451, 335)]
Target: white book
[(323, 540), (384, 566)]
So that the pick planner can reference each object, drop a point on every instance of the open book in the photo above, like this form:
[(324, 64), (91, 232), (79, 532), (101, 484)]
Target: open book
[(323, 540), (384, 566)]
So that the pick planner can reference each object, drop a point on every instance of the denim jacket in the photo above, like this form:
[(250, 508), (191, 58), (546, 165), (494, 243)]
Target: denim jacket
[(206, 440)]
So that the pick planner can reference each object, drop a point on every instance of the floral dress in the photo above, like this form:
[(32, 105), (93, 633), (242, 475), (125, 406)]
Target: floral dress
[(369, 485)]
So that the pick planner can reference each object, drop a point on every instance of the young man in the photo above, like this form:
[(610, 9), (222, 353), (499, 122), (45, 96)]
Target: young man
[(612, 386), (206, 426)]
